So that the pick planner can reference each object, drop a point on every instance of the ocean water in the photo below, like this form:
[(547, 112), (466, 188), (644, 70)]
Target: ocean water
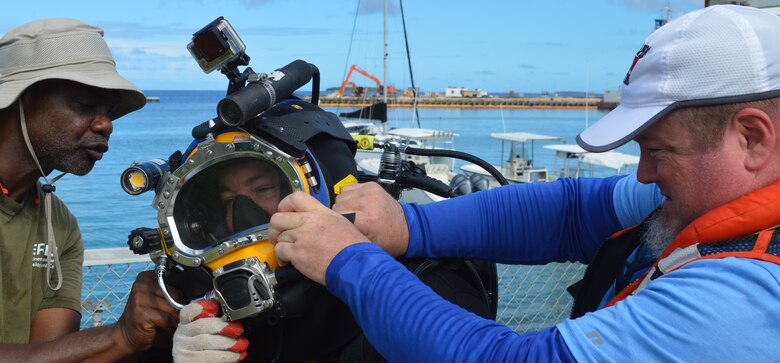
[(106, 214)]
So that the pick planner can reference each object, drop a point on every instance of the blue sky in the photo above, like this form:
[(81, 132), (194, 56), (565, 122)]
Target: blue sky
[(498, 46)]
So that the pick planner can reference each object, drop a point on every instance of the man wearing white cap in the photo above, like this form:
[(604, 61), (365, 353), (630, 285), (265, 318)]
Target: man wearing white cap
[(59, 94), (699, 280)]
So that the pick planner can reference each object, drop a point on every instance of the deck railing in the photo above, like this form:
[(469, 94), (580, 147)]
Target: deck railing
[(530, 297)]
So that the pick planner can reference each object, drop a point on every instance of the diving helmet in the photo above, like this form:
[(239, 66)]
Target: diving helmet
[(214, 202)]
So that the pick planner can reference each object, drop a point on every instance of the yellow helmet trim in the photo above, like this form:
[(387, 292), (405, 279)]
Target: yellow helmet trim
[(263, 250), (225, 137)]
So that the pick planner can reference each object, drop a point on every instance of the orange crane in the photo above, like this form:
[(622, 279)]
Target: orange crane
[(391, 90), (356, 90)]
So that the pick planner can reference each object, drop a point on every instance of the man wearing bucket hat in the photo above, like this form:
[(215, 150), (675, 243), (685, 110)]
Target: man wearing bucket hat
[(59, 94), (696, 281)]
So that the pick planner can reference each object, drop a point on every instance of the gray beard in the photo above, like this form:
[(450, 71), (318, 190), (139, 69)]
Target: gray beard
[(658, 236)]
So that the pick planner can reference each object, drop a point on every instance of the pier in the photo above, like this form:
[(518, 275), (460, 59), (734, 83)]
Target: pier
[(545, 101)]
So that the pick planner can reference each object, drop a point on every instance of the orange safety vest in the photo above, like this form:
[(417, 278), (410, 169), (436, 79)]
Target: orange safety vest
[(744, 227)]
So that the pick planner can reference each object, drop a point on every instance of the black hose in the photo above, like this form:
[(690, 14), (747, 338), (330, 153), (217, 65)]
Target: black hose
[(287, 274), (315, 84), (462, 156)]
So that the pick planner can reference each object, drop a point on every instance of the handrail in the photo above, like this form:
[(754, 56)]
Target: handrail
[(112, 256)]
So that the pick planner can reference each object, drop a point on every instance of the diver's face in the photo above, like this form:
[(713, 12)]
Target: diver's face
[(254, 179)]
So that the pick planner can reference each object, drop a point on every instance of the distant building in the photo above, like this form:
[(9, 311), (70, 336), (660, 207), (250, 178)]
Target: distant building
[(464, 92), (453, 92), (609, 101), (611, 96)]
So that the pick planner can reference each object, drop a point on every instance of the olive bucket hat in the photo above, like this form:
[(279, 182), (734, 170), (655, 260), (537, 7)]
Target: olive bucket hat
[(61, 49)]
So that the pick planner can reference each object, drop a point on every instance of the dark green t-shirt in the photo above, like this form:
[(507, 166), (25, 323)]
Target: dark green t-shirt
[(23, 263)]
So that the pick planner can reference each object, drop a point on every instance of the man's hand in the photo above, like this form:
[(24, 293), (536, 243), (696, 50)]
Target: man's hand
[(146, 315), (309, 235), (203, 337), (377, 215)]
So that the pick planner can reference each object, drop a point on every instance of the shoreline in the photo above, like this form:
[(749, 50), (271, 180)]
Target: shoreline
[(419, 105), (540, 102)]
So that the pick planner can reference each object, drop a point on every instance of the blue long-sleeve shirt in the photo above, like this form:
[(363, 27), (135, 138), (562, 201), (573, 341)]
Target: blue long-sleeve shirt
[(537, 223)]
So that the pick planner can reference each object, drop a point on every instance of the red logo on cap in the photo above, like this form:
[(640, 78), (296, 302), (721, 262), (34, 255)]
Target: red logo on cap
[(641, 53)]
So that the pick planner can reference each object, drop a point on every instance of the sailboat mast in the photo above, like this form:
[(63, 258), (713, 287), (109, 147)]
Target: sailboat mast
[(384, 80), (409, 60), (384, 66)]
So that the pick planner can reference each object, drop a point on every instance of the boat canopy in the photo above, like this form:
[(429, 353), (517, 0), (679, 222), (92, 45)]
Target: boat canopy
[(362, 127), (618, 161), (421, 134), (567, 150), (522, 137)]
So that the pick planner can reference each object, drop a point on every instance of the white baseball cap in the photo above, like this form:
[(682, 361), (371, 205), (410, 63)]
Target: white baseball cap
[(61, 49), (717, 55)]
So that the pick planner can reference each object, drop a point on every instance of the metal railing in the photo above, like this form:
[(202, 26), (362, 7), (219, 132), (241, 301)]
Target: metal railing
[(108, 275), (530, 297), (535, 297)]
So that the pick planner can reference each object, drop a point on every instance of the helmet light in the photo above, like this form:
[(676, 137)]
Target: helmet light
[(142, 177)]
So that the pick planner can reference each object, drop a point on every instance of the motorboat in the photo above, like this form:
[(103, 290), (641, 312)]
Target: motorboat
[(519, 167), (368, 161), (577, 162)]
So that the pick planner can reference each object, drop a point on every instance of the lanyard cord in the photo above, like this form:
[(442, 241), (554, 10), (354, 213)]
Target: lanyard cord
[(53, 256)]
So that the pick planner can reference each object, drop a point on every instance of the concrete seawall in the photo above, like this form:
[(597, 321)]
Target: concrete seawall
[(461, 102)]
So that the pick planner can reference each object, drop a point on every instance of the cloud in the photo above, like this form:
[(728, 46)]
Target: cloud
[(550, 44), (138, 30), (378, 6), (255, 3), (274, 31), (155, 30), (659, 5), (132, 47)]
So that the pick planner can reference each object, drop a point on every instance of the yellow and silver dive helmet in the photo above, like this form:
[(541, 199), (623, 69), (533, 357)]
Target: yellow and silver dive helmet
[(218, 202), (216, 199)]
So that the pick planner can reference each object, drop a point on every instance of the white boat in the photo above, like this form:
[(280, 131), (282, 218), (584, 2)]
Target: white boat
[(368, 160), (369, 120), (587, 162), (361, 127), (519, 167), (568, 153)]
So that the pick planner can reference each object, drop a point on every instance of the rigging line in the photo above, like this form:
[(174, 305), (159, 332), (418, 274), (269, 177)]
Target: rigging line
[(409, 60), (501, 109), (349, 50)]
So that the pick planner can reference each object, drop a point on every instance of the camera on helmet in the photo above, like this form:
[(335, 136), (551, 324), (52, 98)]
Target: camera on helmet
[(217, 45)]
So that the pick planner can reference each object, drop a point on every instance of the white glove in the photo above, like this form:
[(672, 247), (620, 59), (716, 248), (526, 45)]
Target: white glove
[(204, 337)]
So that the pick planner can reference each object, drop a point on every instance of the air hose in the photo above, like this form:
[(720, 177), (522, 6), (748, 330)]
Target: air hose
[(458, 155)]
